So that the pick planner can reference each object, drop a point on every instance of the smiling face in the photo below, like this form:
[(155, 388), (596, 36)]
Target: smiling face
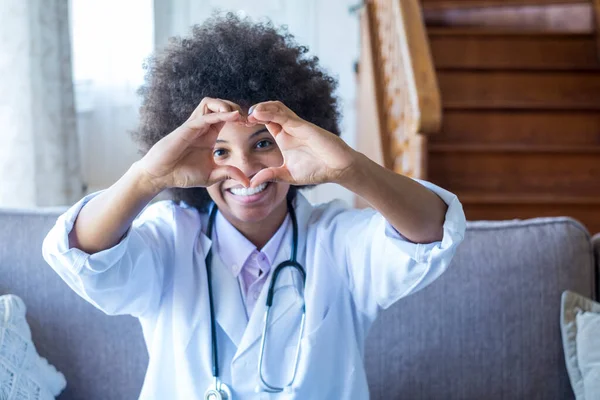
[(250, 149)]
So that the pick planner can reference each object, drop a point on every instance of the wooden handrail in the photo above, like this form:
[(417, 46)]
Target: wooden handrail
[(403, 86), (424, 75), (596, 6)]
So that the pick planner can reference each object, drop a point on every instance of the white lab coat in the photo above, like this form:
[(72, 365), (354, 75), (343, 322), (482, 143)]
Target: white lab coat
[(356, 264)]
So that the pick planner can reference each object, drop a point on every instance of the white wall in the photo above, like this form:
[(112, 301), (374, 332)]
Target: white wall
[(111, 39)]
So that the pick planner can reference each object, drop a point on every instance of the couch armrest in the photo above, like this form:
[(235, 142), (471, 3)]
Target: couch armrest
[(596, 246)]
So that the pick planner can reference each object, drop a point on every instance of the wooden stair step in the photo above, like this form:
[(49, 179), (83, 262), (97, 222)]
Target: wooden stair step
[(510, 174), (503, 207), (519, 90), (560, 16), (511, 148), (525, 128), (507, 33), (493, 50), (451, 4)]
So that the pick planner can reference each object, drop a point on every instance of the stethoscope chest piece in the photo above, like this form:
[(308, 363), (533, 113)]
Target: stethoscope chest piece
[(218, 391)]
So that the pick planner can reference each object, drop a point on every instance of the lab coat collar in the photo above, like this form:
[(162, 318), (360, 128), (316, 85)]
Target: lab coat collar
[(236, 249), (229, 305), (289, 294), (286, 295)]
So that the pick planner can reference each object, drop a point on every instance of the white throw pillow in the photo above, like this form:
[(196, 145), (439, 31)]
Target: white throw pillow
[(24, 375), (588, 352), (580, 327)]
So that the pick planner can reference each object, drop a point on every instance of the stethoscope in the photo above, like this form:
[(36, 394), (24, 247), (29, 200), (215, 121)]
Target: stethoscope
[(218, 390)]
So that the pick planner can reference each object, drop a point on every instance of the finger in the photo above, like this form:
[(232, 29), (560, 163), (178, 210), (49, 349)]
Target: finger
[(265, 113), (204, 121), (233, 106), (275, 106), (194, 128), (274, 129), (276, 112), (225, 172), (247, 123), (271, 174), (211, 105)]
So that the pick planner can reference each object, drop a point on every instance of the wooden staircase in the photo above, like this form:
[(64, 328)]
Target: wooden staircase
[(520, 136), (520, 101)]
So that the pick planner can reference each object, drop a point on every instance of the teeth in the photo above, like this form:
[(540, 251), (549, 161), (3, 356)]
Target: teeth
[(248, 191)]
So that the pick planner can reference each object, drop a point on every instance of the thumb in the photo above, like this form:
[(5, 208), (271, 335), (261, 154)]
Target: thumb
[(274, 128), (271, 174), (228, 172)]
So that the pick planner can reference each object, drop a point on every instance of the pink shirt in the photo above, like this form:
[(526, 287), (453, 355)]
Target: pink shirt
[(250, 265)]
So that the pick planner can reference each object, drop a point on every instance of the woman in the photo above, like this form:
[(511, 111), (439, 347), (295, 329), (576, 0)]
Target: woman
[(196, 270)]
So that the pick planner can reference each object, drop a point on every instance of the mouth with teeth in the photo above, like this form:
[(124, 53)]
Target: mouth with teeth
[(249, 195)]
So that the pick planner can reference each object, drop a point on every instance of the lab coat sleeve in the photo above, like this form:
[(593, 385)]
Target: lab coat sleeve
[(124, 279), (380, 265)]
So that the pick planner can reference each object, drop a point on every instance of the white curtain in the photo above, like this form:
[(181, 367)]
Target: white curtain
[(38, 140), (111, 39)]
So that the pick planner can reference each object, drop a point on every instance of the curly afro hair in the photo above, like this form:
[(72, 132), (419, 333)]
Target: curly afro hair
[(235, 59)]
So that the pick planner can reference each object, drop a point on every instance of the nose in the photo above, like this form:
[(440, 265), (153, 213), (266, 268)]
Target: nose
[(247, 163)]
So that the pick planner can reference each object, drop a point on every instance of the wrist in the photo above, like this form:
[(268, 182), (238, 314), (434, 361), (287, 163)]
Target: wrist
[(355, 174), (143, 182)]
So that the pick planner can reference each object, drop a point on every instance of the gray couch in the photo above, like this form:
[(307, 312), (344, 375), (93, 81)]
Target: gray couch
[(487, 329)]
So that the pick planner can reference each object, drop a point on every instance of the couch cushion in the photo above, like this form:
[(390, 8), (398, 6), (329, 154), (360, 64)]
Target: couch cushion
[(101, 357), (488, 328)]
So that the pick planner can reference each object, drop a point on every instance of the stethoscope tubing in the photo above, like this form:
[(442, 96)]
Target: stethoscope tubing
[(269, 302)]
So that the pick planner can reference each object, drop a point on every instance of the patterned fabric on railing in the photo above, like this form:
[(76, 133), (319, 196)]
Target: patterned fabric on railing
[(403, 145)]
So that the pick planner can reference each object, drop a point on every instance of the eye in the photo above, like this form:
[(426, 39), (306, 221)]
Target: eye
[(263, 144), (219, 153)]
